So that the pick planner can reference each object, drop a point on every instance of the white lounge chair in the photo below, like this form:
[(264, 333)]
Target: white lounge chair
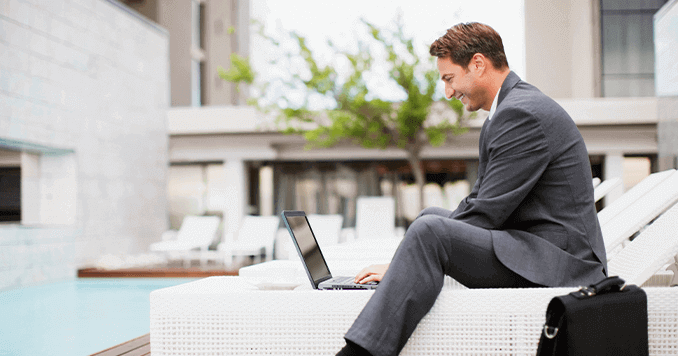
[(195, 233), (605, 187), (365, 251), (648, 207), (408, 201), (326, 227), (433, 195), (456, 192), (283, 247), (255, 237), (595, 181), (649, 252), (673, 267), (631, 196), (458, 323), (375, 217), (638, 261), (229, 316)]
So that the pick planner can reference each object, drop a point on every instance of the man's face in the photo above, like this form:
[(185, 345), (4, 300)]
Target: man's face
[(460, 83)]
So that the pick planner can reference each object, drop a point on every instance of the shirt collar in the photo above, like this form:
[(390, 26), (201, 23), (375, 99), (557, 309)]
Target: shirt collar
[(494, 106)]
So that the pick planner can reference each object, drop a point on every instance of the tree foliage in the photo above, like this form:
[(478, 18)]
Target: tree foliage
[(358, 116)]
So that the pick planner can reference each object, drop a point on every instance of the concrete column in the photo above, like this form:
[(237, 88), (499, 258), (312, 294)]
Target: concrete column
[(549, 36), (175, 16), (613, 167), (585, 56), (266, 190), (666, 83), (667, 132), (566, 32), (236, 194)]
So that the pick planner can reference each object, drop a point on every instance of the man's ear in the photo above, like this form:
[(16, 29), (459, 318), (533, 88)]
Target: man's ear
[(478, 63)]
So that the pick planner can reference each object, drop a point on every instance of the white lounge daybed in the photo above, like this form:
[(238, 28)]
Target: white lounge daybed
[(228, 316)]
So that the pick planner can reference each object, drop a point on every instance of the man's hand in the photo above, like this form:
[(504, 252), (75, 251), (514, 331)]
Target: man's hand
[(373, 273)]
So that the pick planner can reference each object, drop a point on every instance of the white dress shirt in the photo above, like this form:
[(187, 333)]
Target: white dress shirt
[(494, 105)]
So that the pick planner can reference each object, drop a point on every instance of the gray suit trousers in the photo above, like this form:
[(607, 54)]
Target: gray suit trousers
[(433, 246)]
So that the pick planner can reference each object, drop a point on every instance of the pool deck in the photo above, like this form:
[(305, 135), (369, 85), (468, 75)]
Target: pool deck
[(140, 346), (193, 272)]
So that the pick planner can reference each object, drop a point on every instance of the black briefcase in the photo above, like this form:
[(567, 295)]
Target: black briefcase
[(606, 318)]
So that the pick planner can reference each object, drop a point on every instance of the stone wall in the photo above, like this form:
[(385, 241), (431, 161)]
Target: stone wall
[(84, 92)]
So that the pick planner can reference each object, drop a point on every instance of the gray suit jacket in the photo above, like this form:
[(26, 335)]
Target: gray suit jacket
[(534, 191)]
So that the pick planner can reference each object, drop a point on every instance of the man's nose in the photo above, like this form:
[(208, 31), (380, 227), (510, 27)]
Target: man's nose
[(449, 92)]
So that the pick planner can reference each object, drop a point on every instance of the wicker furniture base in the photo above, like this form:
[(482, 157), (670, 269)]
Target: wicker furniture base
[(228, 316)]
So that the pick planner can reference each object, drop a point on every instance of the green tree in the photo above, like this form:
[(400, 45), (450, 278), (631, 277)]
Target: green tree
[(356, 116)]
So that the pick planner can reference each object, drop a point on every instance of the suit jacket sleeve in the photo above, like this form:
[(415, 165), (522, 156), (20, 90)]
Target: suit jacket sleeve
[(514, 154)]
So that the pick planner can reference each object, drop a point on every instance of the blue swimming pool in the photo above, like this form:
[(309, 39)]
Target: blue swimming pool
[(76, 317)]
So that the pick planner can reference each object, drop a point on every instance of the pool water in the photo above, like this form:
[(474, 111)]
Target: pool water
[(77, 317)]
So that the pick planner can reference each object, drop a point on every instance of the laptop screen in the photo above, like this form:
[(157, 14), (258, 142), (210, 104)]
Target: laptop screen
[(313, 258)]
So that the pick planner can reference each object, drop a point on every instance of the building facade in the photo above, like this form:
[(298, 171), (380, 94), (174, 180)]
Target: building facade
[(84, 93), (593, 56), (203, 34)]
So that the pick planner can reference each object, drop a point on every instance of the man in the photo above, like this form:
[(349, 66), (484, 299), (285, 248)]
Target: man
[(530, 220)]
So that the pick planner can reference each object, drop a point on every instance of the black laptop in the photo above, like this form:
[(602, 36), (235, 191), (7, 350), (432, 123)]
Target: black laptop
[(311, 256)]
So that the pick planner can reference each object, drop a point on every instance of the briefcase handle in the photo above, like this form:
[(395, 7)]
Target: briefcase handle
[(608, 285)]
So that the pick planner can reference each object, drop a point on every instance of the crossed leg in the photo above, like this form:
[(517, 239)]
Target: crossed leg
[(433, 246)]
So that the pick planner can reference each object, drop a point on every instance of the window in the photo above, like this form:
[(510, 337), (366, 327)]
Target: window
[(196, 83), (10, 194), (37, 187), (628, 47), (197, 21), (197, 52)]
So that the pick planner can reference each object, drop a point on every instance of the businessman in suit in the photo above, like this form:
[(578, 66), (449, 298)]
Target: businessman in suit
[(530, 220)]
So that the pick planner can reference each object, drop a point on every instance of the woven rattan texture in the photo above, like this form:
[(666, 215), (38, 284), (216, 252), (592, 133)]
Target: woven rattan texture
[(226, 316)]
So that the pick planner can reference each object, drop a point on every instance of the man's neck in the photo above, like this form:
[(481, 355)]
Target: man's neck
[(495, 80)]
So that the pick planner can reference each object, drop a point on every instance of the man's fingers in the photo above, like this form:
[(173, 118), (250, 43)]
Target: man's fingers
[(362, 274), (370, 278), (374, 272)]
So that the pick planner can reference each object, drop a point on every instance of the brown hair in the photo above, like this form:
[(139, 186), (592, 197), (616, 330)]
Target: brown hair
[(464, 40)]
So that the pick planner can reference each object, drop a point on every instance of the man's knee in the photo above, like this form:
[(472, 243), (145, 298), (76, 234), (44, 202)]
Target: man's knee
[(423, 229), (423, 239), (434, 210)]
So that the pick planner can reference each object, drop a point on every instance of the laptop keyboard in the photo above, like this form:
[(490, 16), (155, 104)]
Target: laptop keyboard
[(349, 281), (343, 280)]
